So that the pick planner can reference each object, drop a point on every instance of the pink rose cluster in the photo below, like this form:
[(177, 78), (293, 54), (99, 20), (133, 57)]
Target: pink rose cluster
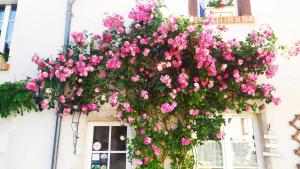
[(166, 107), (114, 21), (157, 74), (295, 49), (143, 12)]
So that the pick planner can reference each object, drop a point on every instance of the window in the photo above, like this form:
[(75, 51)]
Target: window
[(199, 8), (7, 21), (107, 146), (237, 150)]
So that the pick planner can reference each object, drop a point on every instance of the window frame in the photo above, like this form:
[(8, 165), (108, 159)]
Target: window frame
[(226, 148), (5, 23), (243, 8), (89, 142)]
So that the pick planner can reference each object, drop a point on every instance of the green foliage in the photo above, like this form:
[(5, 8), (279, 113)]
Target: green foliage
[(15, 99), (219, 3)]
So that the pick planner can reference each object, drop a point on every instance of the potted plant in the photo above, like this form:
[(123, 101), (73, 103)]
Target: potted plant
[(219, 8), (3, 60)]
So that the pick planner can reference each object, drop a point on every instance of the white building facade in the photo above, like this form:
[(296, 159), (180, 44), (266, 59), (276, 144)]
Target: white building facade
[(252, 141)]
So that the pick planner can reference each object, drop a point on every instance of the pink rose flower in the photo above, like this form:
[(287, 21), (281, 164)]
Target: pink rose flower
[(102, 74), (32, 86), (182, 79), (61, 57), (166, 80), (144, 94), (66, 111), (185, 141), (113, 21), (113, 99), (266, 89), (79, 38), (97, 89), (155, 149), (138, 162), (45, 104), (147, 140), (113, 63), (84, 109), (194, 112), (79, 91), (142, 132), (219, 135), (130, 119), (62, 99), (145, 116), (166, 107), (272, 70), (93, 106), (135, 78), (128, 107), (276, 100)]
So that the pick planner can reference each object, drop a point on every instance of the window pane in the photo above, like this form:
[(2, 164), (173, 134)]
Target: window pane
[(1, 17), (118, 161), (118, 138), (2, 8), (9, 32), (209, 154), (244, 154), (241, 135), (13, 11), (100, 140), (10, 28), (99, 161)]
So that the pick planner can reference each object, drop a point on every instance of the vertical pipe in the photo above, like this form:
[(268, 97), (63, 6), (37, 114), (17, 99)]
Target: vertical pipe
[(58, 117)]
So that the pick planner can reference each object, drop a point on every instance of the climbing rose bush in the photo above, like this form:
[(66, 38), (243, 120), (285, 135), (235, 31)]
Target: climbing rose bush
[(170, 79)]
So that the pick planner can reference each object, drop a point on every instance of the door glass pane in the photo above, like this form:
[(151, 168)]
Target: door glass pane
[(241, 135), (209, 154), (99, 161), (118, 161), (244, 154), (118, 138), (100, 140)]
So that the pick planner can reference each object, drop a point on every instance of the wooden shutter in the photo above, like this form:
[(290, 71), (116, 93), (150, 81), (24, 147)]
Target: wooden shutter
[(244, 7), (193, 7)]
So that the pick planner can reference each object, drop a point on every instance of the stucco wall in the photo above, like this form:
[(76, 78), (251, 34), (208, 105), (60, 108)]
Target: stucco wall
[(39, 28)]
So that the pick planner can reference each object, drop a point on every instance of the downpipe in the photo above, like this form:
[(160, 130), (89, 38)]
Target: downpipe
[(58, 116)]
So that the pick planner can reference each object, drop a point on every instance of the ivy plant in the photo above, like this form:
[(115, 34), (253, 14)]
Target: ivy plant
[(16, 99)]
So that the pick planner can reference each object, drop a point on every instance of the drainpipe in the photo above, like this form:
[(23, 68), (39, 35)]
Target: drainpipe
[(58, 117)]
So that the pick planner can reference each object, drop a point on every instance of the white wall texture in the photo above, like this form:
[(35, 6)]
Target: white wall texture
[(40, 28)]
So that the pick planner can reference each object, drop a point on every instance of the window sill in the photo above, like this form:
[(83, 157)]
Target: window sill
[(4, 66), (234, 20)]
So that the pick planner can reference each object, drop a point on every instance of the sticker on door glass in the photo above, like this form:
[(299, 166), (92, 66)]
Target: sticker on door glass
[(95, 157), (97, 146)]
